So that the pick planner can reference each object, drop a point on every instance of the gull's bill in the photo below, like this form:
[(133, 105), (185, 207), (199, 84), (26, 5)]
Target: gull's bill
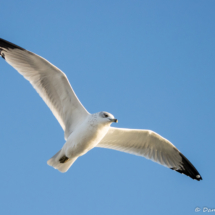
[(84, 131)]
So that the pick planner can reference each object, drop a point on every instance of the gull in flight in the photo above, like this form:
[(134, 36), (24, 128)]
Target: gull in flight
[(84, 131)]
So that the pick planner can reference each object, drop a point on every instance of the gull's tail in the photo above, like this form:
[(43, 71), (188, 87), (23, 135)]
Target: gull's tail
[(55, 161)]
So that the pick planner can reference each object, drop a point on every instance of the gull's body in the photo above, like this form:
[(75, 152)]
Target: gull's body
[(84, 131), (85, 137)]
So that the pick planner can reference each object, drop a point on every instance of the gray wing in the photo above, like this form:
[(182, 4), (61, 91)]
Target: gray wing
[(50, 82), (150, 145)]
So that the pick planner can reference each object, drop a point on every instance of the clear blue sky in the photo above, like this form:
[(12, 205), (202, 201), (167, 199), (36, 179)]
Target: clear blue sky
[(149, 63)]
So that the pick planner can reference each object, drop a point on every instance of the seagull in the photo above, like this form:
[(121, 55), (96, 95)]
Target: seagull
[(84, 131)]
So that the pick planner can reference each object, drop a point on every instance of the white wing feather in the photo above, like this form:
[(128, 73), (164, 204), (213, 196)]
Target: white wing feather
[(144, 143), (150, 145), (50, 82)]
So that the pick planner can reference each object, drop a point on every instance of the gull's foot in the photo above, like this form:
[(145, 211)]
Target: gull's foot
[(64, 159)]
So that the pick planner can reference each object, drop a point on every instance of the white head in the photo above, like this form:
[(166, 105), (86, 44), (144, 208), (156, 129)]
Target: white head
[(106, 117)]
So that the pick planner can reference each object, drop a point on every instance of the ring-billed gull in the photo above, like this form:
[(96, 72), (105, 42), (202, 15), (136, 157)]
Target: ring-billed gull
[(84, 131)]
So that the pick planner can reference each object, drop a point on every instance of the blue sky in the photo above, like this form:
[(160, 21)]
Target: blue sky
[(149, 63)]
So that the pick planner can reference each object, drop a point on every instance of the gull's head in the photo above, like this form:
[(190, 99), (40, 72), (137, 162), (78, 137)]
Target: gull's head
[(106, 117)]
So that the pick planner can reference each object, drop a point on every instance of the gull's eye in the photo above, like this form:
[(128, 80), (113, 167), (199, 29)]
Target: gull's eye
[(105, 115)]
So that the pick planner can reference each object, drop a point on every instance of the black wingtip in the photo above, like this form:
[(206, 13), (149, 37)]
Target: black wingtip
[(4, 44), (2, 54), (188, 169)]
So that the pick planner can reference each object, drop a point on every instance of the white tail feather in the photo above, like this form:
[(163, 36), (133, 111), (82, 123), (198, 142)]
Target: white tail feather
[(62, 167)]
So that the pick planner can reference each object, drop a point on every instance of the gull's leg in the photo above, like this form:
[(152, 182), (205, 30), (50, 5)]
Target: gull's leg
[(64, 159)]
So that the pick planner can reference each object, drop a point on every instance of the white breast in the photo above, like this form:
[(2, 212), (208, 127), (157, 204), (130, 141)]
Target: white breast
[(85, 137)]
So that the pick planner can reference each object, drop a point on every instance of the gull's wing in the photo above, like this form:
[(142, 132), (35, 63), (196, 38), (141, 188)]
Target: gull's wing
[(50, 82), (150, 145)]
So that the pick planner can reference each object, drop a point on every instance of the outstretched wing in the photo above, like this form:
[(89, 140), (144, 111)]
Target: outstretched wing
[(50, 82), (150, 145)]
